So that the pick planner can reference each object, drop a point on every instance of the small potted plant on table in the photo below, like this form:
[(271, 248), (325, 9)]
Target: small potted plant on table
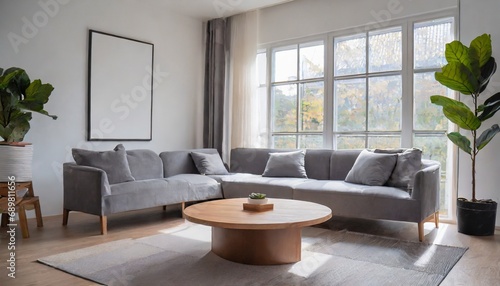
[(257, 199)]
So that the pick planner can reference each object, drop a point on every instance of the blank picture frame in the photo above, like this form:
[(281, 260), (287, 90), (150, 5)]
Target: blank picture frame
[(120, 88)]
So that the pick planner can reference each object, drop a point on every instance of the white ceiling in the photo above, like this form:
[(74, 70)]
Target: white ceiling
[(211, 9)]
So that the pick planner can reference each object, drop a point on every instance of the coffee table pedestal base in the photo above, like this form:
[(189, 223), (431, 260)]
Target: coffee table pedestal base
[(257, 247)]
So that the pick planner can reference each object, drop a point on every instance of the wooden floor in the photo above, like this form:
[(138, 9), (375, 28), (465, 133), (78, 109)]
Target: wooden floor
[(479, 266)]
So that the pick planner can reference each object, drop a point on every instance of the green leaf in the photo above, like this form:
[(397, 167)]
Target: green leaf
[(17, 127), (458, 77), (457, 112), (487, 72), (474, 63), (490, 107), (487, 135), (8, 77), (461, 141), (457, 52), (37, 94), (482, 46)]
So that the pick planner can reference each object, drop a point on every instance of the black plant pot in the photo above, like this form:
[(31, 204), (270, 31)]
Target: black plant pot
[(476, 218)]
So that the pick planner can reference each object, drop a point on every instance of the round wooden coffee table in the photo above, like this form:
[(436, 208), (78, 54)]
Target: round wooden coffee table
[(258, 238)]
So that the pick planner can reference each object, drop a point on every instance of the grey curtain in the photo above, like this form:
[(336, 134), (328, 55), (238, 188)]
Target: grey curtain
[(215, 83)]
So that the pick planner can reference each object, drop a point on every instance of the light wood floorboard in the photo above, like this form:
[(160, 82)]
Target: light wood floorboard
[(479, 266)]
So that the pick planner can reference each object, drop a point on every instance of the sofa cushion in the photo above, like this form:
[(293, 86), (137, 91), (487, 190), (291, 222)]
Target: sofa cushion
[(196, 187), (242, 185), (341, 163), (373, 169), (318, 163), (209, 164), (114, 162), (144, 164), (362, 201), (408, 163), (286, 164)]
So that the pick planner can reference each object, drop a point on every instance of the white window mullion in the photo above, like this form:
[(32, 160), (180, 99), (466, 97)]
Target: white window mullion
[(329, 103), (407, 81)]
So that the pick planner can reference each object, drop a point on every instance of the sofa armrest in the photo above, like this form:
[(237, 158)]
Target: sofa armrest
[(426, 187), (84, 188)]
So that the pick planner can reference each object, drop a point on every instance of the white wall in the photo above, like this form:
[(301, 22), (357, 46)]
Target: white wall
[(57, 53), (301, 18), (476, 18)]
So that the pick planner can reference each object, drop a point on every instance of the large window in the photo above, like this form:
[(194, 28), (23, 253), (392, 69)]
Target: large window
[(369, 89), (297, 96)]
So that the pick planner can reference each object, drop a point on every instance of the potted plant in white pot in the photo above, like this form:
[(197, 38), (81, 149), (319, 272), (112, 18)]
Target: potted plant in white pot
[(469, 71), (19, 97)]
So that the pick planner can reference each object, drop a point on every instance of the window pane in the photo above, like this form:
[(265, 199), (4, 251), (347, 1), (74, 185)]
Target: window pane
[(285, 108), (385, 50), (284, 142), (311, 141), (285, 65), (428, 116), (351, 142), (435, 148), (384, 142), (384, 103), (311, 61), (350, 55), (350, 102), (311, 106), (430, 40)]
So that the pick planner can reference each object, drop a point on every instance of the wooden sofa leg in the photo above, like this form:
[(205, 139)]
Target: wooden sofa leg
[(421, 231), (434, 216), (436, 219), (104, 224), (65, 216)]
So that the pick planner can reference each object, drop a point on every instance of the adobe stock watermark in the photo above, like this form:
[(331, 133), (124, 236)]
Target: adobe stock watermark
[(383, 17), (11, 232), (31, 27), (223, 6)]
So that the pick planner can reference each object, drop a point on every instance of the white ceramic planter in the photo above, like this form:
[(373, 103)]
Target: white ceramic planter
[(16, 161), (257, 201)]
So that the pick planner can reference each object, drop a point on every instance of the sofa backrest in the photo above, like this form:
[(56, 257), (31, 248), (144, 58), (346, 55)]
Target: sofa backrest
[(341, 163), (144, 164), (180, 162), (254, 160)]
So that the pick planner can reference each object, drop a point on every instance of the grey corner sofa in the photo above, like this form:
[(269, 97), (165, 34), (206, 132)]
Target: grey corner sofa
[(160, 180), (172, 177)]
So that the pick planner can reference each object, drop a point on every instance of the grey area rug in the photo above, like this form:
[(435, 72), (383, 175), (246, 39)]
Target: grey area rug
[(182, 256)]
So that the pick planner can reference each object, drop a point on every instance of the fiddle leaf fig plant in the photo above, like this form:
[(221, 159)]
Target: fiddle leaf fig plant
[(469, 71), (19, 97)]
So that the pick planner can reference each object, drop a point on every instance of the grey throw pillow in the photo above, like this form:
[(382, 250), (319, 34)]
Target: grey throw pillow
[(408, 163), (373, 169), (286, 164), (114, 162), (209, 164)]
